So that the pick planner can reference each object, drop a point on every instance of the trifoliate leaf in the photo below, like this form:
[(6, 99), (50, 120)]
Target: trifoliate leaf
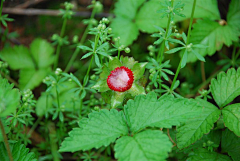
[(19, 152), (212, 35), (231, 144), (31, 78), (226, 87), (100, 129), (196, 127), (42, 53), (231, 117), (9, 98), (233, 16), (147, 17), (147, 111), (17, 57), (125, 29), (149, 145), (205, 155)]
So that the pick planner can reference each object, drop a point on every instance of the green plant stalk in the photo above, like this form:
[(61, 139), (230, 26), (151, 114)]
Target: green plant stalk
[(188, 37), (1, 9), (77, 50), (59, 45), (161, 51), (52, 136), (118, 54), (34, 126), (94, 50), (6, 141), (58, 99)]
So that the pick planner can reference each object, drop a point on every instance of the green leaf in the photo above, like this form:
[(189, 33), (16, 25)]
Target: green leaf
[(147, 17), (43, 104), (114, 63), (200, 57), (138, 70), (212, 35), (91, 135), (231, 144), (231, 117), (17, 57), (184, 59), (226, 87), (136, 89), (147, 111), (42, 52), (101, 85), (205, 155), (125, 29), (174, 50), (9, 98), (233, 16), (97, 60), (19, 152), (196, 127), (31, 78), (149, 145), (117, 99), (127, 8)]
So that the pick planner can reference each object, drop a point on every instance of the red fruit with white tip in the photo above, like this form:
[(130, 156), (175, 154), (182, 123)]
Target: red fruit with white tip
[(120, 79)]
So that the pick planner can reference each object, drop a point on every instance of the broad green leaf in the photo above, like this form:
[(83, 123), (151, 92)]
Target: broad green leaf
[(226, 87), (126, 29), (100, 129), (31, 78), (205, 155), (233, 16), (196, 127), (149, 145), (231, 117), (19, 152), (212, 35), (147, 111), (5, 126), (42, 52), (231, 144), (127, 8), (17, 57), (9, 98), (128, 61), (147, 17)]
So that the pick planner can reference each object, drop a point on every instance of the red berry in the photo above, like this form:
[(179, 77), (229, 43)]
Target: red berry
[(120, 79)]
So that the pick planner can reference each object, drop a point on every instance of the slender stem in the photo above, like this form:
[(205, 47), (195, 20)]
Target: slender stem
[(59, 44), (174, 144), (188, 37), (77, 50), (237, 55), (1, 9), (203, 71), (234, 53), (34, 126), (9, 79), (118, 54), (52, 136), (6, 141), (161, 51), (57, 99), (94, 50)]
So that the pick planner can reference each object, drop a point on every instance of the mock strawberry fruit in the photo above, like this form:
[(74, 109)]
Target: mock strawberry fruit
[(120, 79)]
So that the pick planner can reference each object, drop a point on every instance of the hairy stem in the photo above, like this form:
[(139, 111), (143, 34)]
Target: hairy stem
[(59, 45), (188, 37), (6, 141)]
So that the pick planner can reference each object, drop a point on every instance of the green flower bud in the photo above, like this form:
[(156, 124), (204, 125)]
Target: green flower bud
[(127, 50), (75, 39), (93, 77), (58, 71), (151, 53), (96, 108), (109, 30), (150, 47)]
